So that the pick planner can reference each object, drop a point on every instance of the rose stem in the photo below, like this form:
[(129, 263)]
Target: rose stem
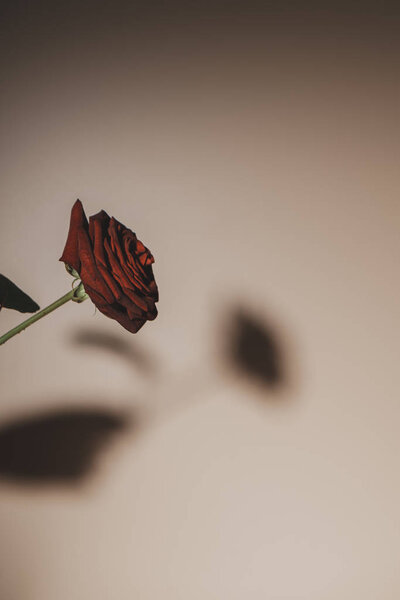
[(77, 294)]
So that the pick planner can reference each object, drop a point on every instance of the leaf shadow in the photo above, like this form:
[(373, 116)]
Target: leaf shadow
[(256, 350), (57, 446)]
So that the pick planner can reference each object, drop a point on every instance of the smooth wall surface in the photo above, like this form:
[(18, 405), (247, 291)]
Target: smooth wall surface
[(255, 150)]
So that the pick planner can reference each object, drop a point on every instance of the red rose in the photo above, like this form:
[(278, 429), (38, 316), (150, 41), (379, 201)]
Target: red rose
[(114, 267)]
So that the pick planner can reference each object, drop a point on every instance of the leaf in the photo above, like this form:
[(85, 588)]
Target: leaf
[(13, 297)]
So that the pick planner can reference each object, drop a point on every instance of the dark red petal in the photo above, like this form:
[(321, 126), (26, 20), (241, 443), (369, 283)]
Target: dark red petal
[(132, 325), (138, 271), (134, 258), (138, 282), (98, 225), (89, 273), (111, 282), (130, 304), (151, 313), (122, 304), (123, 272), (142, 276), (78, 223), (154, 291), (134, 263), (113, 230), (127, 285), (133, 275), (144, 255), (95, 297)]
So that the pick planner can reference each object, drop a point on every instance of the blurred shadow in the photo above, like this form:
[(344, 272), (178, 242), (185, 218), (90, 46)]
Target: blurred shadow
[(103, 340), (57, 446), (255, 351)]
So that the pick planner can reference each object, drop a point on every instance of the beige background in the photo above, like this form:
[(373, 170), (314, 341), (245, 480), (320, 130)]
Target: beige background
[(257, 156)]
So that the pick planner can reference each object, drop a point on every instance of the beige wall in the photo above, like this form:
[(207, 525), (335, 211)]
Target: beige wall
[(257, 156)]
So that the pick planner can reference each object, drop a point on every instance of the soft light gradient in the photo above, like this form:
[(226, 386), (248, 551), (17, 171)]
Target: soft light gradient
[(256, 153)]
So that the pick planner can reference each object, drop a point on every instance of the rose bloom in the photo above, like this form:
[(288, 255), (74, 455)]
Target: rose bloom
[(114, 267)]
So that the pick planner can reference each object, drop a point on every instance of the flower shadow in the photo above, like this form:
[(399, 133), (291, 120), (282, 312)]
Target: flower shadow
[(116, 344)]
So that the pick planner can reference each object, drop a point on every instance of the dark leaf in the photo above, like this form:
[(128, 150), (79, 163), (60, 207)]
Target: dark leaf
[(13, 297)]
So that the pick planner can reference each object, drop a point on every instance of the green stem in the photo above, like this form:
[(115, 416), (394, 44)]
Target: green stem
[(77, 294)]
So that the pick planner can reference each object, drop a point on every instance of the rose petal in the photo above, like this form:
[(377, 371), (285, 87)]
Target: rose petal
[(98, 225), (127, 285), (78, 223), (132, 325), (89, 273)]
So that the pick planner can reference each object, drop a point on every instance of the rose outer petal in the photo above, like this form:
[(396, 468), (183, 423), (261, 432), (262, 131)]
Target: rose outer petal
[(132, 325), (78, 223)]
